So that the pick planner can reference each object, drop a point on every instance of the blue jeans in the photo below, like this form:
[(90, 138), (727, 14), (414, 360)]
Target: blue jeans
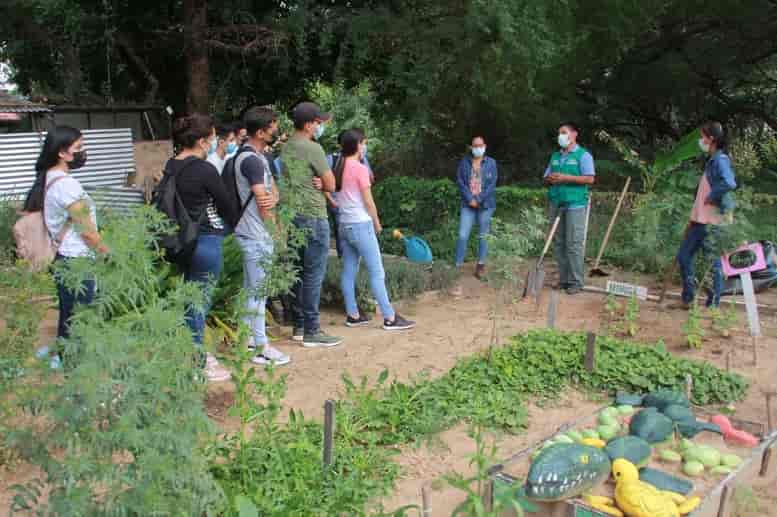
[(257, 255), (334, 215), (360, 241), (468, 217), (69, 299), (313, 256), (204, 268), (698, 238)]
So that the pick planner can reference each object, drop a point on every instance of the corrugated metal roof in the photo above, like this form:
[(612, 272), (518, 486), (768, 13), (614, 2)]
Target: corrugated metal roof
[(120, 200), (111, 158), (23, 108)]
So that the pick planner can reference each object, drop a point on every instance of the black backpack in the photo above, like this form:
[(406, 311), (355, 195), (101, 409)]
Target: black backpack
[(178, 246), (229, 177)]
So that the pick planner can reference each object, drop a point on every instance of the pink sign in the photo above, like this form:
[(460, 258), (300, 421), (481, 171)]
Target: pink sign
[(755, 250)]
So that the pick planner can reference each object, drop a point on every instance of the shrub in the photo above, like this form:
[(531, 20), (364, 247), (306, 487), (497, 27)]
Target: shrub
[(125, 425), (404, 280)]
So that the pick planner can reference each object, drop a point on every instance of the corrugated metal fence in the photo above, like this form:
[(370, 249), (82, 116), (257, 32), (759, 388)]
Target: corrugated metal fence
[(111, 158)]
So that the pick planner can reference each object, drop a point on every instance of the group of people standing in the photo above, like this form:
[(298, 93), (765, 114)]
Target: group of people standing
[(569, 176), (203, 152), (338, 185)]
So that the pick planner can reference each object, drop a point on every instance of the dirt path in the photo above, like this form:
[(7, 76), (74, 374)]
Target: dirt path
[(449, 329)]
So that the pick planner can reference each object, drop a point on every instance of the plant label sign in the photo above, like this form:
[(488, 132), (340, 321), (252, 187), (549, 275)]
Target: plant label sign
[(750, 305), (626, 290)]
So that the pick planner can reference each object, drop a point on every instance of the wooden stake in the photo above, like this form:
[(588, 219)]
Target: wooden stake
[(329, 431), (689, 386), (769, 421), (728, 361), (755, 350), (590, 352), (765, 462), (488, 495), (426, 500), (552, 309), (725, 499)]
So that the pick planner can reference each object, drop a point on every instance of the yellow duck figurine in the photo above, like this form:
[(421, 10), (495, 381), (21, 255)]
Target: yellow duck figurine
[(639, 499)]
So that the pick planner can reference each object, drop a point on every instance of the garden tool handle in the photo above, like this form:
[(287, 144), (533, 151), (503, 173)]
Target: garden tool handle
[(612, 223), (550, 238)]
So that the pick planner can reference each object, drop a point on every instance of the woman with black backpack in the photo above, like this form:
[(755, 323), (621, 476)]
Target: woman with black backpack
[(206, 201)]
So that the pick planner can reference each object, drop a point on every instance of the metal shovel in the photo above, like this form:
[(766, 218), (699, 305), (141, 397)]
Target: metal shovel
[(536, 278), (596, 271)]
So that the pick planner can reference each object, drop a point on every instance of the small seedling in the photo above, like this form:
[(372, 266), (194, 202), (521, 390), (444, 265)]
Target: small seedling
[(694, 333), (723, 320)]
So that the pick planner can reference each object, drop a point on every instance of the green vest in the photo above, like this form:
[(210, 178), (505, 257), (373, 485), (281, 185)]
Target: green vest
[(566, 194)]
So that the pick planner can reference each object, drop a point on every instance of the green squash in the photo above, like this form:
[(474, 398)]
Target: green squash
[(670, 456), (662, 398), (566, 470), (693, 469), (651, 426), (664, 481), (632, 448)]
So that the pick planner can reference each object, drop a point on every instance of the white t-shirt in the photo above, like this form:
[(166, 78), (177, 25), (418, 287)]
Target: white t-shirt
[(217, 161), (59, 197)]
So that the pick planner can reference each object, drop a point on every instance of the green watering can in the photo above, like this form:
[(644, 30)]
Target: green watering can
[(416, 249)]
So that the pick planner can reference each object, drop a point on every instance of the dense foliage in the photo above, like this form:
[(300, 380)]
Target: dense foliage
[(645, 70)]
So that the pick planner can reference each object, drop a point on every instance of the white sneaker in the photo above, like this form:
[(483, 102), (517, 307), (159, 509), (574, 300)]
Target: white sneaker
[(271, 355), (214, 372)]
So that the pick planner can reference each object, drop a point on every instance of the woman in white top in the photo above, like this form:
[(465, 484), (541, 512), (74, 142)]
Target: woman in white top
[(69, 215), (358, 228)]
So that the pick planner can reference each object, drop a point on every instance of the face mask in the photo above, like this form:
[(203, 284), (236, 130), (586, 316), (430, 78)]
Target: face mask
[(478, 152), (214, 144), (563, 140), (319, 131), (78, 161), (231, 148), (705, 147)]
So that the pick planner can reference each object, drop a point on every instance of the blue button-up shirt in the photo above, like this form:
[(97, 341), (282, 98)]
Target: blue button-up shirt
[(488, 176), (720, 176)]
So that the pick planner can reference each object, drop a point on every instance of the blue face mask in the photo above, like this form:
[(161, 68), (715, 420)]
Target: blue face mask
[(214, 144), (478, 151), (231, 148), (319, 131)]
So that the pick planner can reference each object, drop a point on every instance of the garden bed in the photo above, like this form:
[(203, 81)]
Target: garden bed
[(511, 474)]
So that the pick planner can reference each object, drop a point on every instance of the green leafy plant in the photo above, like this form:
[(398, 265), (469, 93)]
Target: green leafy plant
[(631, 317), (724, 319), (124, 427), (276, 469), (475, 486), (694, 333)]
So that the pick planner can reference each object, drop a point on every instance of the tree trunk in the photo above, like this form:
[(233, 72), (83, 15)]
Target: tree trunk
[(195, 15), (72, 74)]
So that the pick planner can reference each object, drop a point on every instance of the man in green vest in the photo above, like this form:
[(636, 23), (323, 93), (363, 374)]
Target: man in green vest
[(569, 173)]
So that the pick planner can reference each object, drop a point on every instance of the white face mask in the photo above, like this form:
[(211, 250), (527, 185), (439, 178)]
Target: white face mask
[(704, 146), (563, 140), (479, 151)]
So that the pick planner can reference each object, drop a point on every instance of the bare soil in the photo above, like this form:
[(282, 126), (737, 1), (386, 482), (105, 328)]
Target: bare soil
[(450, 328)]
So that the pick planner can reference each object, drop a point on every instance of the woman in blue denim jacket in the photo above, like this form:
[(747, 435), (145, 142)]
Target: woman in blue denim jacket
[(713, 207), (476, 179)]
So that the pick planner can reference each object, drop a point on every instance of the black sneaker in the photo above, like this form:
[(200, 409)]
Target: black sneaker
[(399, 323), (573, 290), (297, 334), (361, 321)]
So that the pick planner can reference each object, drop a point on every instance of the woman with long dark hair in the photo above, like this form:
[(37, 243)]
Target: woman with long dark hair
[(203, 194), (70, 218), (713, 206), (359, 226), (476, 178)]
